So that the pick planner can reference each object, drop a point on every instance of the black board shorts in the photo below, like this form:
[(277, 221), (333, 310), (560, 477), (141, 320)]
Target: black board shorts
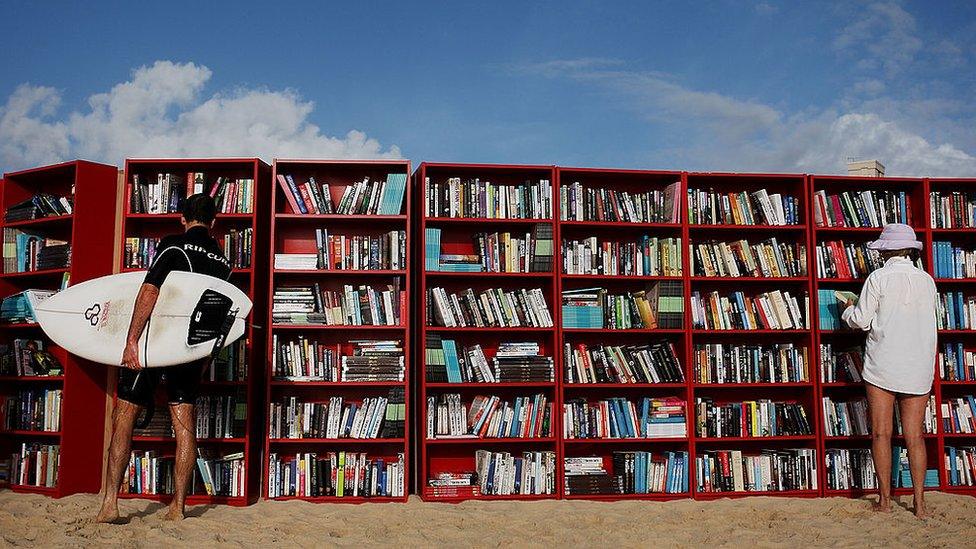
[(182, 383)]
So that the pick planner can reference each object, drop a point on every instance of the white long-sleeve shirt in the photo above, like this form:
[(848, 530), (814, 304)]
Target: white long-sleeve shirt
[(897, 308)]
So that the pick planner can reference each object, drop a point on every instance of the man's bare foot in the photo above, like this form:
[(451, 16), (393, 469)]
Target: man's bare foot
[(882, 506), (109, 514), (174, 514)]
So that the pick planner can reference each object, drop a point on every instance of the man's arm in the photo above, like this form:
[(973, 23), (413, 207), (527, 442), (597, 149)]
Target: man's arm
[(145, 302)]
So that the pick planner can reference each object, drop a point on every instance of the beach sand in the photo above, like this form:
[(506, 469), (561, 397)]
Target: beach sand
[(33, 520)]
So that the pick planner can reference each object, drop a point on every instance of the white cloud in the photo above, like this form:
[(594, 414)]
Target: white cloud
[(766, 8), (162, 111), (719, 132), (881, 38)]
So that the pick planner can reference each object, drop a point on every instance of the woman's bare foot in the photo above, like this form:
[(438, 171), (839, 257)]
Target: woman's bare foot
[(920, 509), (882, 506), (174, 514), (109, 514)]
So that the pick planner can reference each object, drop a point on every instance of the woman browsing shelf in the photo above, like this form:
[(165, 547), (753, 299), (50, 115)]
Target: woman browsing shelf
[(897, 308)]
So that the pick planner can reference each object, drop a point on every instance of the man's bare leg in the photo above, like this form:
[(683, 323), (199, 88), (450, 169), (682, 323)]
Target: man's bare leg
[(882, 405), (123, 420), (912, 422), (184, 425)]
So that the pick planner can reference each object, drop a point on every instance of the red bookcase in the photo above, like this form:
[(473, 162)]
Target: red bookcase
[(448, 455), (90, 229), (845, 338), (964, 237), (251, 279), (571, 229), (295, 232), (803, 392)]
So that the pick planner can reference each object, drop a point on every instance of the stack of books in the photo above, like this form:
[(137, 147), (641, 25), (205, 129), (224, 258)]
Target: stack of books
[(302, 359), (514, 362), (39, 206), (618, 417), (168, 192), (595, 308), (35, 464), (373, 360), (635, 472), (495, 252), (579, 203), (237, 246), (19, 308), (360, 306), (502, 474), (27, 357), (26, 252), (710, 207), (221, 416)]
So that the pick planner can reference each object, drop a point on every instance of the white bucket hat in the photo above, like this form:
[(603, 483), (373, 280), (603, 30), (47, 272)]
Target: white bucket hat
[(896, 236)]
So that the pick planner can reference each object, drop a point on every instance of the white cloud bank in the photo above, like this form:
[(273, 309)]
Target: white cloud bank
[(162, 111)]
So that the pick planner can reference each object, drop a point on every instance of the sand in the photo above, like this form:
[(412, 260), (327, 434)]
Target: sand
[(33, 520)]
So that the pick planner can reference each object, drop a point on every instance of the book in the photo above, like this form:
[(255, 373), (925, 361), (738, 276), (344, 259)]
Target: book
[(27, 252), (849, 469), (952, 261), (773, 310), (579, 202), (513, 362), (648, 256), (770, 258), (531, 251), (351, 306), (339, 474), (39, 206), (35, 464), (342, 252), (955, 311), (952, 210), (759, 207), (960, 465), (955, 362), (655, 362), (221, 415), (597, 308), (32, 410), (841, 365), (768, 471), (844, 296), (634, 472), (731, 363), (492, 307), (165, 193), (752, 418), (18, 308), (959, 415), (335, 418), (219, 475), (846, 260), (477, 198)]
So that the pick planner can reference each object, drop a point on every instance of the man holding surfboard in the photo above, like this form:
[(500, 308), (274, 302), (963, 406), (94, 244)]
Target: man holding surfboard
[(193, 251)]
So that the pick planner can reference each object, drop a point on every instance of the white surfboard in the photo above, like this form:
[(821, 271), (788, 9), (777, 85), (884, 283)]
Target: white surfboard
[(91, 319)]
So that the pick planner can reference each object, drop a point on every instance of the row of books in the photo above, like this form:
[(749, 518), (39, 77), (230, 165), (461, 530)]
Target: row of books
[(952, 210), (335, 474), (363, 197), (956, 363), (32, 410), (26, 252), (19, 308), (839, 259), (662, 306), (840, 365), (649, 256), (636, 472), (769, 258), (237, 245), (221, 416), (959, 415), (303, 359), (753, 418), (861, 208), (956, 311), (39, 206), (513, 362), (850, 469), (448, 416), (953, 261), (773, 310), (492, 307), (231, 363), (168, 192), (474, 198), (531, 252), (27, 357), (762, 363), (337, 418), (617, 417), (901, 475), (339, 252), (760, 207), (581, 203), (151, 474), (960, 465), (352, 306), (852, 418), (769, 471), (35, 465), (831, 307), (645, 363)]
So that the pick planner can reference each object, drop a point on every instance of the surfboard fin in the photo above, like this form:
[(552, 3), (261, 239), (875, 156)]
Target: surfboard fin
[(209, 318)]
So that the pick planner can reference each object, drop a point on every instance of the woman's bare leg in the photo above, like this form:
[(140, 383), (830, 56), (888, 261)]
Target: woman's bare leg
[(882, 406), (912, 423)]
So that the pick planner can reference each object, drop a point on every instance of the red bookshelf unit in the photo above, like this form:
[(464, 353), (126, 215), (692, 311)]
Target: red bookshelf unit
[(455, 204), (706, 342), (241, 376), (364, 248), (89, 229), (841, 339), (950, 232), (593, 216)]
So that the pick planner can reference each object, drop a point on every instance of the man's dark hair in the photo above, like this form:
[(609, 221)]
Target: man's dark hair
[(200, 208)]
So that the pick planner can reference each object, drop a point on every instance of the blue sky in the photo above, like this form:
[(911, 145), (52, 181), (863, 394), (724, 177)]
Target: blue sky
[(724, 85)]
